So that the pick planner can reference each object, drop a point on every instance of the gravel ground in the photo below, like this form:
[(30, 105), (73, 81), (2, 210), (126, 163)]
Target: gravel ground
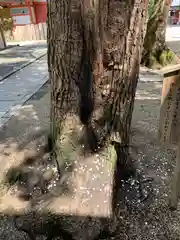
[(85, 212)]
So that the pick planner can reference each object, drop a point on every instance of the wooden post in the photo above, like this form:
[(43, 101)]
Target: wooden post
[(169, 123)]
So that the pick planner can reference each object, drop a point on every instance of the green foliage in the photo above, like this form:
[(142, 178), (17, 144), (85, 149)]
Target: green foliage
[(166, 57), (160, 59), (163, 58), (170, 56), (7, 24), (6, 19), (150, 8)]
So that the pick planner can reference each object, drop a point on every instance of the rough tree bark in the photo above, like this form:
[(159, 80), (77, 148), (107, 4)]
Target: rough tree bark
[(125, 31), (85, 39), (2, 37), (155, 51)]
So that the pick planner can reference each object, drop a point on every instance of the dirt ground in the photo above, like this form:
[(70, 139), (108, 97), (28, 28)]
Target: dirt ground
[(83, 207)]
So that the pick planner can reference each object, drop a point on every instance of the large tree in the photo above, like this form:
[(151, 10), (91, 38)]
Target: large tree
[(88, 40), (2, 37), (156, 52)]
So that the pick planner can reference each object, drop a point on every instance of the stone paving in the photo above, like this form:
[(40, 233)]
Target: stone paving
[(173, 33), (17, 57), (20, 86)]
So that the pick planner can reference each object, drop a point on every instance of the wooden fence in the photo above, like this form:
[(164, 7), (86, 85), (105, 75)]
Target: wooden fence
[(28, 32)]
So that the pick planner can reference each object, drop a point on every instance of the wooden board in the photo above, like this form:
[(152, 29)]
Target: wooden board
[(168, 83), (169, 123), (169, 69)]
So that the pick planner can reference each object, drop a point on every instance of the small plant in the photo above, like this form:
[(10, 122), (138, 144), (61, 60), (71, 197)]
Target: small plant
[(170, 56), (163, 58)]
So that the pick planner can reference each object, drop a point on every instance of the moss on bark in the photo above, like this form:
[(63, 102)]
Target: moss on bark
[(161, 59), (156, 53)]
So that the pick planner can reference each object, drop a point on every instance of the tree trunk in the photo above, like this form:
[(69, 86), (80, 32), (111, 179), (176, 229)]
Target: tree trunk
[(156, 51), (85, 39), (160, 43), (2, 37), (126, 33)]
